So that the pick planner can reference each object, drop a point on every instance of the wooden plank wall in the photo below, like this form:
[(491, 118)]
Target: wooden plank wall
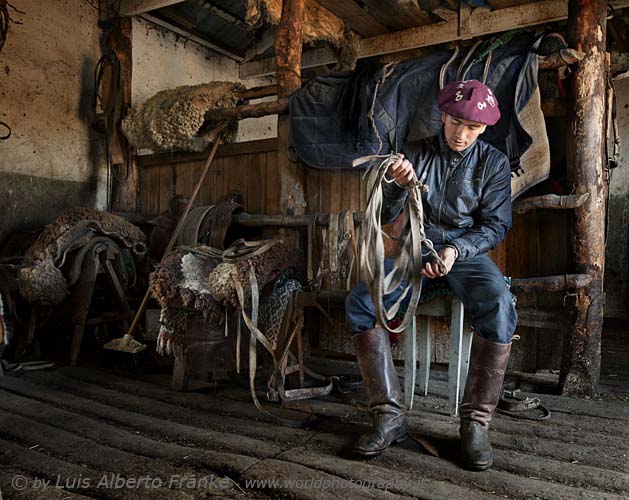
[(243, 168), (332, 191), (537, 244)]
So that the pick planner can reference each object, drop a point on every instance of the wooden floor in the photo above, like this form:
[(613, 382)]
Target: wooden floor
[(91, 431)]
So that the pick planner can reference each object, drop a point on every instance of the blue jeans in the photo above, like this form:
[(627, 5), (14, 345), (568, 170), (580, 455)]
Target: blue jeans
[(477, 282)]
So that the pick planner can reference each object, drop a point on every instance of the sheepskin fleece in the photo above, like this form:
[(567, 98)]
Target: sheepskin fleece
[(180, 282), (348, 52), (171, 118), (172, 331), (43, 282), (319, 22), (120, 230), (221, 281)]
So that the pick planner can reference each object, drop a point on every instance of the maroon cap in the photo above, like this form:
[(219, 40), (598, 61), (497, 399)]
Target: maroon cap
[(470, 100)]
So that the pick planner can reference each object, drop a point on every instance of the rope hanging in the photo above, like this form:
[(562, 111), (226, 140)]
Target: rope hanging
[(408, 263)]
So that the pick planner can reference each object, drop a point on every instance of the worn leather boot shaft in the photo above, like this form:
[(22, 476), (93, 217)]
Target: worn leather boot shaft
[(488, 363), (383, 393)]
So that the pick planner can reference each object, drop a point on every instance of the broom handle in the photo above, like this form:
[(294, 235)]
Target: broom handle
[(180, 223)]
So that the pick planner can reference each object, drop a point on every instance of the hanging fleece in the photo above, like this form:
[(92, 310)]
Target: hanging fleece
[(171, 118)]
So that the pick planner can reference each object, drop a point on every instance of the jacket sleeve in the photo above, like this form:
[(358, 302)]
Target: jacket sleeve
[(393, 198), (493, 217), (394, 195)]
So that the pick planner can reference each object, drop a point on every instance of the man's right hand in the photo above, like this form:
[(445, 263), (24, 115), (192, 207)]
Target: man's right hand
[(401, 171)]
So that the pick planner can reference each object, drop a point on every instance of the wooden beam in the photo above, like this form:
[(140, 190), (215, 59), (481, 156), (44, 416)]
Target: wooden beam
[(320, 57), (263, 42), (535, 318), (266, 67), (581, 362), (125, 190), (136, 7), (358, 19), (288, 46), (224, 150), (246, 111), (397, 14), (549, 201), (446, 15), (481, 22), (258, 92), (558, 283), (520, 16), (431, 34), (256, 220)]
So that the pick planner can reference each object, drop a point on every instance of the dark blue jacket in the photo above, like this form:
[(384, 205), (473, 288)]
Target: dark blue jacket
[(468, 203)]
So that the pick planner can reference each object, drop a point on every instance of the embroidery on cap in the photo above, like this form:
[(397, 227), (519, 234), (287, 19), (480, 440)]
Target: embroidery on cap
[(481, 105), (491, 101), (458, 96)]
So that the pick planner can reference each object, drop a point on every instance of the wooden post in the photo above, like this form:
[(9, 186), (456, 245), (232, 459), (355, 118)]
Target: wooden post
[(586, 148), (125, 191), (288, 45)]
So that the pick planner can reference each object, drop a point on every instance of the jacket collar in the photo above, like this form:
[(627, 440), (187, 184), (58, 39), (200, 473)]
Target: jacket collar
[(445, 149)]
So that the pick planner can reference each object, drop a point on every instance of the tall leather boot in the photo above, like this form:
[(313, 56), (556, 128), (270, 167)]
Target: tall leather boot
[(488, 363), (383, 393)]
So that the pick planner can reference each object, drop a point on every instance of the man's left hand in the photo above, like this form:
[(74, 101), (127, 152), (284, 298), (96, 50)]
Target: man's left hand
[(433, 270)]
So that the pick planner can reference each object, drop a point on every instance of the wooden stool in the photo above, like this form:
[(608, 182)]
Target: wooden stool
[(460, 345), (99, 260)]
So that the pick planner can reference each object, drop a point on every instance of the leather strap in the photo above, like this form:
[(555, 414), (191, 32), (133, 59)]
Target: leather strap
[(189, 235), (241, 249), (333, 245), (408, 263), (311, 232), (514, 404), (258, 336)]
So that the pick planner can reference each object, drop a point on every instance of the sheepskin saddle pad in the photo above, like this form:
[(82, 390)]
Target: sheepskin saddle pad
[(57, 252)]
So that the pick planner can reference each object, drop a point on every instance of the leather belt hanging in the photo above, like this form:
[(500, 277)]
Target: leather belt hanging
[(339, 251)]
